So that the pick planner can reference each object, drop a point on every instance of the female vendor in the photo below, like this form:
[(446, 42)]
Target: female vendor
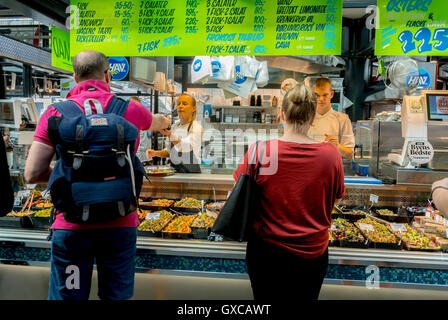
[(183, 143)]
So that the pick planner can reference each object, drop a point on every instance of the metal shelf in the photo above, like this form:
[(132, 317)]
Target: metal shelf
[(246, 123), (244, 107)]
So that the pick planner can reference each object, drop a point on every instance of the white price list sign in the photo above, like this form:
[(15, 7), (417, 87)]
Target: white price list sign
[(374, 198)]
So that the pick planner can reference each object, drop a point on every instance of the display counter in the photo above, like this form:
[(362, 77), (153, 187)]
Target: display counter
[(225, 259)]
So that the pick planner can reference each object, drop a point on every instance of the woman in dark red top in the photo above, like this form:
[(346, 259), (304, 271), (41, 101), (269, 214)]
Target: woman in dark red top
[(301, 180)]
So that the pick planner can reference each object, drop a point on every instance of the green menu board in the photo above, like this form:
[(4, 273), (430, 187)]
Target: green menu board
[(416, 28), (207, 27), (60, 49)]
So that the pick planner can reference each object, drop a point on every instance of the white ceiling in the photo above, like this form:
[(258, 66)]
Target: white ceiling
[(354, 13)]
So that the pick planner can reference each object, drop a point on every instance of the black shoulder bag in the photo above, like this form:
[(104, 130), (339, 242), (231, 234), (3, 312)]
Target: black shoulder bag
[(235, 220)]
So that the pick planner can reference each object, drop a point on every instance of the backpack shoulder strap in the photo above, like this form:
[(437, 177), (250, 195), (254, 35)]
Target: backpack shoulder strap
[(68, 109), (117, 106)]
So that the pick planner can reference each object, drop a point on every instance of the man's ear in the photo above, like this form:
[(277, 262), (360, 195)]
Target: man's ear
[(107, 77), (331, 94), (76, 80)]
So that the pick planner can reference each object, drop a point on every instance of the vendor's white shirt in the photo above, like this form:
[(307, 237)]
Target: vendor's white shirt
[(333, 123), (189, 140)]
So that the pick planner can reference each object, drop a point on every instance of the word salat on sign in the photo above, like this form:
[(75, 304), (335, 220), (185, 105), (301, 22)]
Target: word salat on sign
[(207, 27), (411, 27)]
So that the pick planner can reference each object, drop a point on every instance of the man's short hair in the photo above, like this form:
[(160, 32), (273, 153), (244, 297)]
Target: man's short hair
[(90, 65), (322, 82)]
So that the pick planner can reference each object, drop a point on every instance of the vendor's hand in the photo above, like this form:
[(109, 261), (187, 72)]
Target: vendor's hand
[(332, 139), (151, 153), (165, 132)]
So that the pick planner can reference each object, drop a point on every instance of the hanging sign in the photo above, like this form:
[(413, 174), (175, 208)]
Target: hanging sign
[(60, 49), (207, 27), (415, 28)]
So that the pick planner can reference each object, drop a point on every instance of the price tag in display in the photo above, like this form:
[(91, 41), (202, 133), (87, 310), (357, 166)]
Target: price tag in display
[(228, 194), (211, 214), (437, 218), (46, 194), (366, 226), (20, 195), (398, 227), (374, 198), (446, 233), (153, 216), (31, 186), (333, 227)]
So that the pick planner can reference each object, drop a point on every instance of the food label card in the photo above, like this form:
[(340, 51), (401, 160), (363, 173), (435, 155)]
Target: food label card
[(153, 216), (398, 227), (366, 226)]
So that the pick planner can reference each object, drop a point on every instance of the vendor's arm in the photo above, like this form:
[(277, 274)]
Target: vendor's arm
[(150, 153), (440, 196), (346, 139), (345, 151), (37, 168)]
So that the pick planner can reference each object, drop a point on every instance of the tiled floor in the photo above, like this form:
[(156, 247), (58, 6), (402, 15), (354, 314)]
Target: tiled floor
[(25, 282)]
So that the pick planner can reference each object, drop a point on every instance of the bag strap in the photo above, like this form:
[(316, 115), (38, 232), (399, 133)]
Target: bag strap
[(68, 109), (117, 106), (260, 157), (252, 158)]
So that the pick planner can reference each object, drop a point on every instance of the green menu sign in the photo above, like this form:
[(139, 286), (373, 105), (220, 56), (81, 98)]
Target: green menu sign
[(60, 49), (416, 28), (207, 27)]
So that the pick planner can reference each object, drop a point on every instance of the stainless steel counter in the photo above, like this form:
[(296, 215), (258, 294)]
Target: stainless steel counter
[(236, 250)]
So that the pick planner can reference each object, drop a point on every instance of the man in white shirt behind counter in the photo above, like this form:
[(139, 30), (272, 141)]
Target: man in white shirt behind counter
[(330, 125)]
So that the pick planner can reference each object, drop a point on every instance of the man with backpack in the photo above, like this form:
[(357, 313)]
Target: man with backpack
[(94, 184)]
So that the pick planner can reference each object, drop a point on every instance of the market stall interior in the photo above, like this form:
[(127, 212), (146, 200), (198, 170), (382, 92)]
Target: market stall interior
[(398, 109)]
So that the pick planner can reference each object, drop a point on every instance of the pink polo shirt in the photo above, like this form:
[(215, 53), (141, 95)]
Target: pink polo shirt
[(137, 114)]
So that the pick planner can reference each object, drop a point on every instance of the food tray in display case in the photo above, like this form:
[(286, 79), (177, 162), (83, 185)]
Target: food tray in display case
[(347, 234), (156, 171), (202, 224), (41, 219), (332, 242), (411, 239), (336, 212), (353, 213), (378, 234), (156, 204), (188, 205), (17, 218), (390, 214), (154, 223), (179, 227), (215, 206)]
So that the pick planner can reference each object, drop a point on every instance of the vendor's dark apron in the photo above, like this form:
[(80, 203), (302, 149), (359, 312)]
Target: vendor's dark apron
[(192, 167)]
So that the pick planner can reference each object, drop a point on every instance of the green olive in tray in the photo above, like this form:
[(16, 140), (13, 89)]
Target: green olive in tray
[(188, 203), (386, 212)]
